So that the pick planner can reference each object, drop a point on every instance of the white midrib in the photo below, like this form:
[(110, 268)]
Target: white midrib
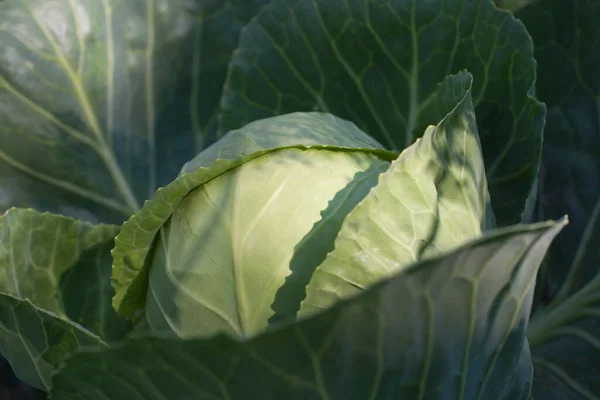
[(101, 146)]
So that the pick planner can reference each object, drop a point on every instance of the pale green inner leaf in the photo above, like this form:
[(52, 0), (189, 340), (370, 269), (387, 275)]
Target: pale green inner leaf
[(226, 249), (432, 199)]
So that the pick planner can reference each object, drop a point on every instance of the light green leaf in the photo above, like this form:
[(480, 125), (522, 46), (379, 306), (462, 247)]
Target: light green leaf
[(297, 130), (432, 199), (102, 101), (565, 329), (55, 287), (377, 63), (310, 252), (222, 256), (468, 312)]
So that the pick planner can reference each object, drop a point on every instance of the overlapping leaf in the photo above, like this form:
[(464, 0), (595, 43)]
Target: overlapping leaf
[(225, 251), (433, 198), (35, 341), (102, 101), (295, 130), (55, 288), (377, 64), (467, 311), (310, 252), (565, 334)]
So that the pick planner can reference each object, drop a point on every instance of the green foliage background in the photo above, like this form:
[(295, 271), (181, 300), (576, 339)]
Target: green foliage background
[(103, 101)]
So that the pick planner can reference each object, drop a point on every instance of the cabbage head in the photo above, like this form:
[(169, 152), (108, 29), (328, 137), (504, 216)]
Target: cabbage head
[(288, 215), (234, 237), (242, 209)]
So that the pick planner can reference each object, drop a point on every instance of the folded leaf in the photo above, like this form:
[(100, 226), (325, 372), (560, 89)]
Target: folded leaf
[(310, 252), (297, 130), (432, 199), (467, 310), (220, 259)]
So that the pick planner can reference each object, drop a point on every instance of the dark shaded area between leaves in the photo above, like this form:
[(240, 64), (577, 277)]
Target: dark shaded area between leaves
[(13, 389)]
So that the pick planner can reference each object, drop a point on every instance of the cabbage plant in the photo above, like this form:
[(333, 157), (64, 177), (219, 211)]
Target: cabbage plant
[(250, 218), (299, 199)]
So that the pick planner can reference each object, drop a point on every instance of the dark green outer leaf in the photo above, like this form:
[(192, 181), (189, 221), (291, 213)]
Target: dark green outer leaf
[(567, 39), (55, 288), (512, 5), (35, 342), (297, 130), (377, 64), (102, 101), (467, 310), (565, 336), (565, 343)]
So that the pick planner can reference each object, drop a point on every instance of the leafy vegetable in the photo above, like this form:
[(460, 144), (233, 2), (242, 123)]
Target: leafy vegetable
[(431, 199), (138, 234), (226, 248), (365, 341), (300, 199)]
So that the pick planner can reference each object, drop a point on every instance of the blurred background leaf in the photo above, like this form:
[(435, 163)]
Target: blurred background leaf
[(565, 330), (55, 292), (103, 101)]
